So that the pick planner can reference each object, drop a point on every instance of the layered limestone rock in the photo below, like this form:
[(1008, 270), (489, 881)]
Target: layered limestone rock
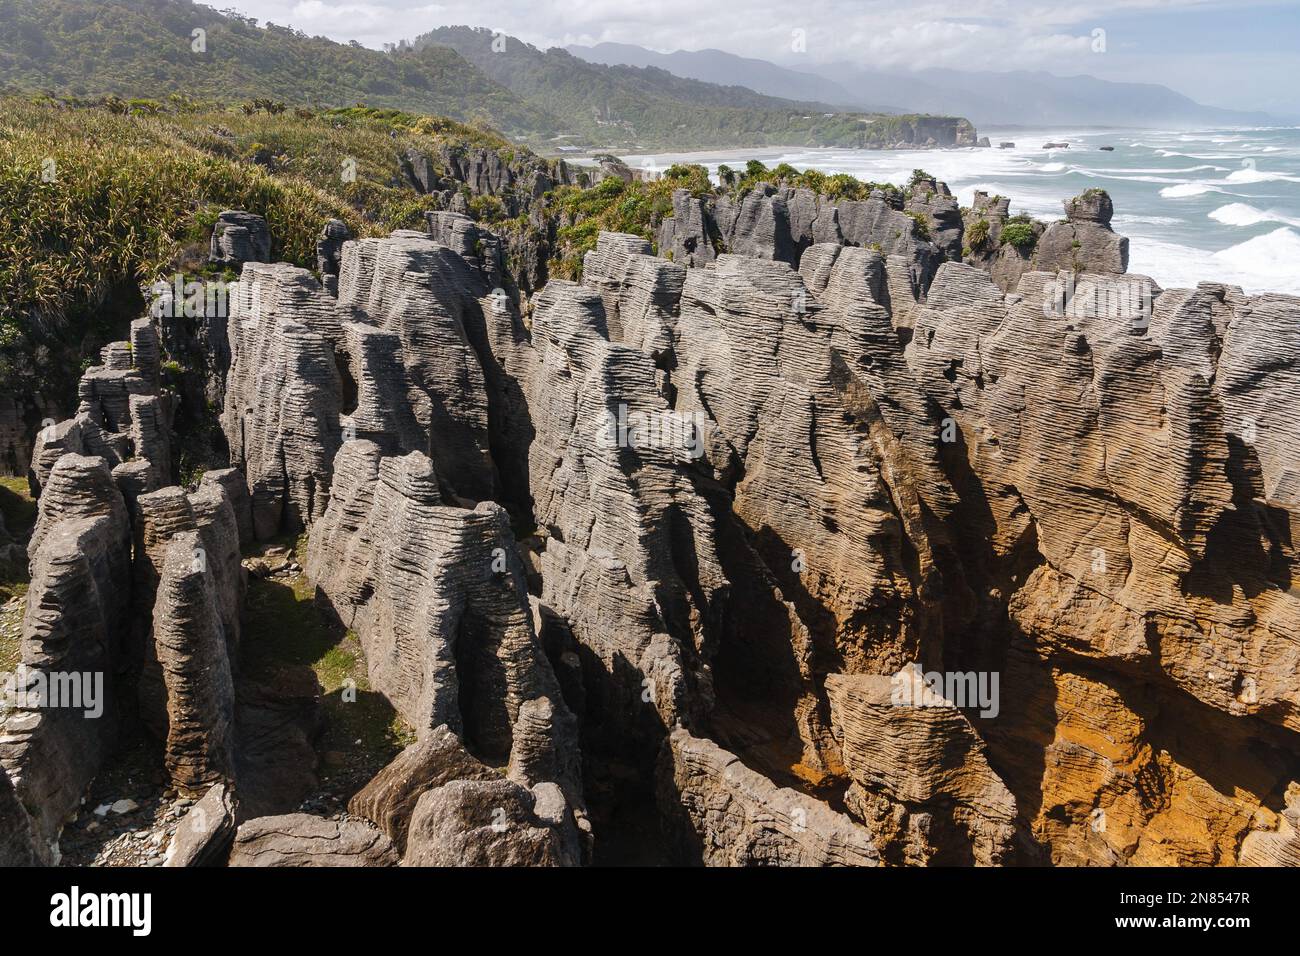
[(492, 823), (61, 724), (189, 630), (436, 593), (479, 247), (1151, 548), (629, 561), (802, 379), (284, 395), (191, 645), (963, 427), (724, 814), (429, 298), (756, 487), (389, 799), (395, 359), (518, 181), (204, 833), (1145, 511), (931, 200), (19, 845), (685, 236), (921, 780), (1279, 846), (329, 252), (780, 222), (298, 839), (239, 237), (1084, 242), (123, 417)]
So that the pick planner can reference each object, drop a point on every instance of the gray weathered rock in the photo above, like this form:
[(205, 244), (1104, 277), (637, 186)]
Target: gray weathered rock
[(54, 742), (190, 644), (283, 395), (19, 845), (1084, 242), (486, 823), (240, 237), (123, 416), (685, 236), (389, 799), (721, 813), (297, 839), (329, 252), (436, 594), (204, 833)]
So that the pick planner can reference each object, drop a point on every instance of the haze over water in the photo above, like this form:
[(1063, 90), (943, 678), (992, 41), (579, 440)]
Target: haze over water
[(1210, 205)]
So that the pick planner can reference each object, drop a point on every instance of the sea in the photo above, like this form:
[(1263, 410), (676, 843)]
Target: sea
[(1202, 205)]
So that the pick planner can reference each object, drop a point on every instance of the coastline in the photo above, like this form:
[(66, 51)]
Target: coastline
[(1216, 205)]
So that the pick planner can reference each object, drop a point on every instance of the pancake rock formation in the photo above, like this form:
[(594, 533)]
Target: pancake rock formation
[(815, 532)]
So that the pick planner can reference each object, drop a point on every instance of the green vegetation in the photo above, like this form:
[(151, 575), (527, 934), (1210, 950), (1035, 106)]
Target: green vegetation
[(19, 513), (840, 186), (146, 48), (144, 53), (97, 201), (922, 224), (1019, 232), (18, 510), (285, 628), (978, 234), (615, 206)]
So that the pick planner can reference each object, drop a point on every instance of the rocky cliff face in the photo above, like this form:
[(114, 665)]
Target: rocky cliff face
[(812, 545)]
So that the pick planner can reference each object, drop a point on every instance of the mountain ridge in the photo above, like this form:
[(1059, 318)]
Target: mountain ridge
[(192, 55), (983, 97), (647, 106)]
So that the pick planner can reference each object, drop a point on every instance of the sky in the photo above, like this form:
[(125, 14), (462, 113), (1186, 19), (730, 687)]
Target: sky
[(1240, 55)]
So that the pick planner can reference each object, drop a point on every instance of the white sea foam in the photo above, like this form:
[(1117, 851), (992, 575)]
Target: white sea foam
[(1244, 214), (1129, 220), (1252, 175), (1269, 260), (1186, 190), (1262, 264)]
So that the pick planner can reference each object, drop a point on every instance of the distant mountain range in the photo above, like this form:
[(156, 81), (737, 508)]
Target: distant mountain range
[(159, 49), (986, 98), (630, 106)]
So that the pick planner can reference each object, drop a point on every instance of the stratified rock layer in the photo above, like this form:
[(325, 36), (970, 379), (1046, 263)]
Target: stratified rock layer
[(58, 735), (297, 839), (733, 816)]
